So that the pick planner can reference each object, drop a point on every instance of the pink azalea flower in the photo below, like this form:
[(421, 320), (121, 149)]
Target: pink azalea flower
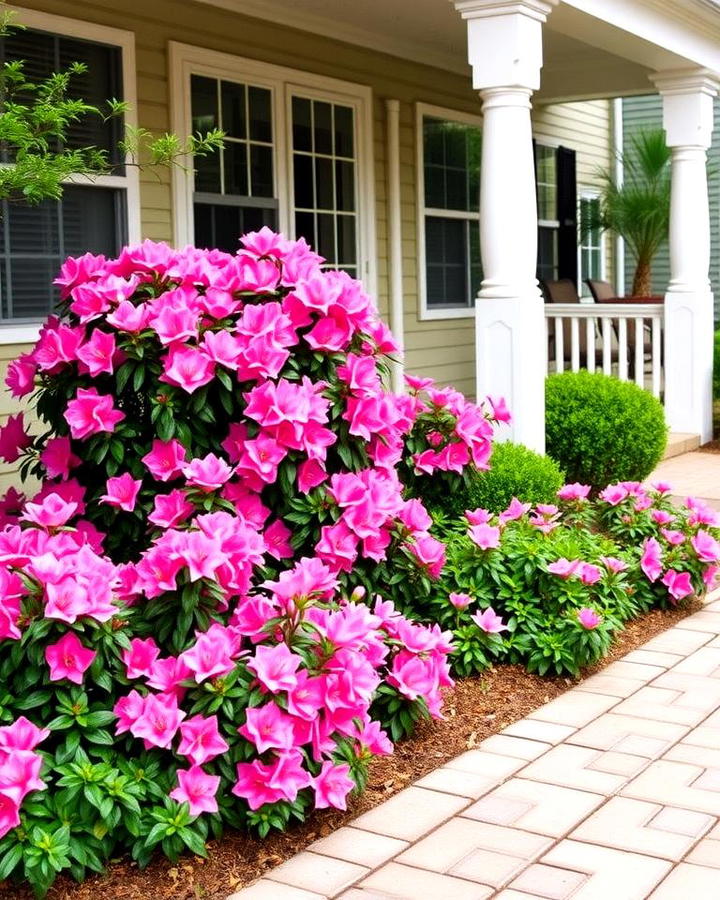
[(159, 720), (614, 494), (91, 413), (275, 667), (68, 659), (489, 621), (98, 352), (197, 789), (487, 537), (208, 473), (662, 487), (515, 511), (672, 536), (201, 740), (412, 676), (430, 553), (171, 509), (128, 317), (478, 516), (574, 491), (499, 410), (165, 460), (678, 584), (651, 559), (13, 439), (589, 618), (277, 540), (21, 735), (52, 512), (139, 658), (188, 368), (590, 574), (57, 458), (122, 492), (20, 377), (613, 564), (661, 517), (268, 728), (332, 786), (706, 547), (460, 601), (210, 656), (564, 568), (253, 784), (311, 473)]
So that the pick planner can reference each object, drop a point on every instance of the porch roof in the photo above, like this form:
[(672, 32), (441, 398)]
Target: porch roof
[(592, 48)]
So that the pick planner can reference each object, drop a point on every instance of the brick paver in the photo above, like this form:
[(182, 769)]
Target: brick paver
[(611, 790)]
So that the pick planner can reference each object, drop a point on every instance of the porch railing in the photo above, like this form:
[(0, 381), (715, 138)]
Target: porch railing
[(621, 339)]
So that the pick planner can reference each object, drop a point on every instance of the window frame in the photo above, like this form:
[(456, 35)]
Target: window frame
[(129, 182), (589, 193), (185, 60), (427, 313)]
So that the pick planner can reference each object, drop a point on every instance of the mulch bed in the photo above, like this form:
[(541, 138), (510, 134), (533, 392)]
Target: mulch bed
[(475, 708)]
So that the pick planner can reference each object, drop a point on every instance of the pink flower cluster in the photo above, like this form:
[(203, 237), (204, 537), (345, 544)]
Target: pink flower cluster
[(19, 769)]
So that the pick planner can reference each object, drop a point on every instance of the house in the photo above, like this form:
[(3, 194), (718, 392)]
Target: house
[(361, 126)]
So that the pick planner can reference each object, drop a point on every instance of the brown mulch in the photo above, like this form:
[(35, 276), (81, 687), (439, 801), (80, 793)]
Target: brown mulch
[(711, 447), (475, 708)]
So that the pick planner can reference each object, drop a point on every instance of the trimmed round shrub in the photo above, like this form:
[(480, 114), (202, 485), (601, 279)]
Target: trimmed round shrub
[(515, 471), (601, 430)]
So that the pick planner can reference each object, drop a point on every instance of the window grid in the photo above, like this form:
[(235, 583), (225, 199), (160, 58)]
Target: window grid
[(316, 210), (591, 243), (546, 179)]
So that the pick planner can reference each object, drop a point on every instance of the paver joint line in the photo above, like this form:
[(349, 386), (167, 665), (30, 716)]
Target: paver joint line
[(640, 796)]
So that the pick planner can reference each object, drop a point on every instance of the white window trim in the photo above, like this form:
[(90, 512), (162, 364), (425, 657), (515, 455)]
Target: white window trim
[(125, 40), (426, 314), (590, 193), (186, 60)]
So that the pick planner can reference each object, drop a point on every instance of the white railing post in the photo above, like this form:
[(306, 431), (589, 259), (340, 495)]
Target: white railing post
[(688, 121), (505, 53)]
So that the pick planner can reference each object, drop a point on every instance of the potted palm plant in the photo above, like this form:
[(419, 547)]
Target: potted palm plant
[(637, 207)]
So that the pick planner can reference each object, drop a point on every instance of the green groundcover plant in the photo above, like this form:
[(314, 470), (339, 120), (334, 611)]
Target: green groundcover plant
[(549, 586), (601, 430), (197, 626)]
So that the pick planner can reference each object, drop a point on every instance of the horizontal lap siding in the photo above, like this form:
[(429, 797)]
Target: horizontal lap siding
[(442, 349), (646, 112)]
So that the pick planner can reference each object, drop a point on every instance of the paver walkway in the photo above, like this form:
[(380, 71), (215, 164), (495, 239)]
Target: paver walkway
[(610, 790), (692, 475)]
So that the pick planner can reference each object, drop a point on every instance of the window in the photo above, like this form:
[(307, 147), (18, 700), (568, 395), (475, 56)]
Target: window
[(449, 186), (548, 222), (296, 158), (97, 216), (592, 262)]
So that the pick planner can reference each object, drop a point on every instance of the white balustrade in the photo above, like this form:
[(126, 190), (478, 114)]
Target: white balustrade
[(621, 339)]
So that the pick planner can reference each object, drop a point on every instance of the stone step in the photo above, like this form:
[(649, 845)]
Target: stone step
[(679, 442)]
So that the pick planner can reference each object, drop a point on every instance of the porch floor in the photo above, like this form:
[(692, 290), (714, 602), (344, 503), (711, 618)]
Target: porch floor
[(612, 789)]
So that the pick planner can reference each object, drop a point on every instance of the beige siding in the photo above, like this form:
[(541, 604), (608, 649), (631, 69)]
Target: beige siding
[(443, 349)]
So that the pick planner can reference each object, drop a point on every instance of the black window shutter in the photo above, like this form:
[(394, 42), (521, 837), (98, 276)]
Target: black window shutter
[(567, 214)]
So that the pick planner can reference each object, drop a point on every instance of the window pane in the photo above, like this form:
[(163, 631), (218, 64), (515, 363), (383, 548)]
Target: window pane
[(347, 241), (261, 171), (305, 227), (324, 183), (203, 93), (322, 127), (345, 185), (344, 139), (326, 237), (260, 114), (233, 108), (302, 124), (93, 219), (446, 262), (303, 181), (547, 254), (236, 169), (451, 162)]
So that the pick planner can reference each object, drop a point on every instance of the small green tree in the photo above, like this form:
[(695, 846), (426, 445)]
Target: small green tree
[(36, 159), (637, 207)]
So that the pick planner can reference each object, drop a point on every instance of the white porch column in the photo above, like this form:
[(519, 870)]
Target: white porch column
[(688, 122), (505, 52)]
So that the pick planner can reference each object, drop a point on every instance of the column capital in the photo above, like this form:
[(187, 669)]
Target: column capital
[(505, 40), (481, 9), (688, 96)]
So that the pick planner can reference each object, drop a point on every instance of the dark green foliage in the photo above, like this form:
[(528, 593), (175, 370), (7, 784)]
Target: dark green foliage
[(602, 430)]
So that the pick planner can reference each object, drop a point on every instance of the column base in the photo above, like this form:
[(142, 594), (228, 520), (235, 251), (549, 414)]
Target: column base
[(689, 362), (511, 361)]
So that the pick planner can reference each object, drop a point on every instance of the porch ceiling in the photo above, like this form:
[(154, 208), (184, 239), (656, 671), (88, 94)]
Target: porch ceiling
[(592, 48)]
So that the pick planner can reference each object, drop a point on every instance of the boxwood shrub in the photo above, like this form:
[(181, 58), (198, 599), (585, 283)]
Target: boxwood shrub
[(600, 429)]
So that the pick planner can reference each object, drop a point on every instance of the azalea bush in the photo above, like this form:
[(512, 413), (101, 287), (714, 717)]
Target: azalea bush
[(550, 585), (200, 610)]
